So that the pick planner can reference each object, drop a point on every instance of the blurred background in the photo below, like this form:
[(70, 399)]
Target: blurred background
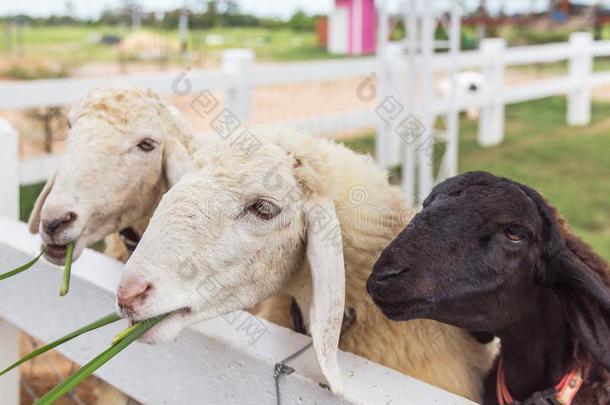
[(520, 88)]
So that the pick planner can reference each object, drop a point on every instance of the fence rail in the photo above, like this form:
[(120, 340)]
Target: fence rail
[(222, 361), (239, 75)]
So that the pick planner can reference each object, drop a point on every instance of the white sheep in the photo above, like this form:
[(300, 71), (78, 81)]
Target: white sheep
[(304, 217), (122, 152), (465, 84)]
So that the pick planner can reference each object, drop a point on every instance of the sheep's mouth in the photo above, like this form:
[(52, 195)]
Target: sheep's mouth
[(407, 310), (180, 312), (167, 329), (57, 251)]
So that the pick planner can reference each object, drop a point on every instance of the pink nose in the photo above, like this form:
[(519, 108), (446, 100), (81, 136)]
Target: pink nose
[(57, 224), (132, 292)]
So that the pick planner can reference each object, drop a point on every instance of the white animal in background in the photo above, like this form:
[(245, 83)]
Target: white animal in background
[(467, 83), (302, 216)]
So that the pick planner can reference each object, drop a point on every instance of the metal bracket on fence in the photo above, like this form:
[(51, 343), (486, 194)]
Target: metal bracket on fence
[(281, 369)]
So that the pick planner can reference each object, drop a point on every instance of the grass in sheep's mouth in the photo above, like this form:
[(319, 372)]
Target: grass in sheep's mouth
[(23, 268), (119, 343), (65, 282)]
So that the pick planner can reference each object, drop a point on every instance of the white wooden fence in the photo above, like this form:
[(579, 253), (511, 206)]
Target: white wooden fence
[(239, 75)]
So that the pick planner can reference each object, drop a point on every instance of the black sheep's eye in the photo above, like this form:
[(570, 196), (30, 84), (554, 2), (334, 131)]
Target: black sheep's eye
[(147, 145), (264, 209), (515, 233)]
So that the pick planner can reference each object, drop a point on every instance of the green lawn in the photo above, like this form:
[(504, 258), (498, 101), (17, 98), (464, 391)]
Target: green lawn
[(277, 44), (70, 45), (570, 166), (73, 46), (28, 196)]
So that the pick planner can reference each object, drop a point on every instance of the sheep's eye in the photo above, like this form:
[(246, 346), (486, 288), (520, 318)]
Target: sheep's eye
[(515, 233), (69, 125), (147, 145), (264, 209)]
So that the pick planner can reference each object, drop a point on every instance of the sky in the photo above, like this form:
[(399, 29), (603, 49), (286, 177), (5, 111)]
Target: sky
[(274, 8)]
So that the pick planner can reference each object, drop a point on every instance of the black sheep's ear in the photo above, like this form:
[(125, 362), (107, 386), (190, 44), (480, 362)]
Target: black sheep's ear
[(585, 300), (567, 268)]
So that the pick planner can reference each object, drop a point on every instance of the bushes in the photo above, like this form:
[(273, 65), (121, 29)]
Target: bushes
[(28, 69)]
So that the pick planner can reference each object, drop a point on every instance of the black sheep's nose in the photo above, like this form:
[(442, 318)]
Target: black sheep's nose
[(386, 267), (381, 277), (387, 274), (55, 225)]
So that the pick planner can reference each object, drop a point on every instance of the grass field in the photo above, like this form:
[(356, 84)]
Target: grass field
[(74, 46), (570, 166)]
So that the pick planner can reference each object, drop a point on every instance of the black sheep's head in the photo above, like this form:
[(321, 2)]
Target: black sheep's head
[(475, 256)]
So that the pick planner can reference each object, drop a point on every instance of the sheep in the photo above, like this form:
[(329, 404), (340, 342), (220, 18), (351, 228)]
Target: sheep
[(124, 150), (489, 254), (467, 83), (301, 216)]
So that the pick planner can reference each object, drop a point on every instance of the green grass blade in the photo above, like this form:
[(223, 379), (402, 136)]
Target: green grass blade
[(108, 319), (119, 337), (65, 283), (21, 269), (89, 368)]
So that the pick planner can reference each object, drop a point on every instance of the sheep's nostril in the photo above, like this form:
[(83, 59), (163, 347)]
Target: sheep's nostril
[(370, 286), (385, 273), (380, 278), (132, 293), (389, 274), (55, 225)]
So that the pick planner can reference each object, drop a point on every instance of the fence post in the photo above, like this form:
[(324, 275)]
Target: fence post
[(9, 206), (238, 63), (580, 68), (491, 121), (388, 143)]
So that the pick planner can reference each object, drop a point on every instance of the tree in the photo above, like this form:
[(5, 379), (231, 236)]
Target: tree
[(51, 119), (300, 21)]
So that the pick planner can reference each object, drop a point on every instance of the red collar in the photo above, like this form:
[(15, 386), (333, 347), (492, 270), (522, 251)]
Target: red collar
[(563, 393)]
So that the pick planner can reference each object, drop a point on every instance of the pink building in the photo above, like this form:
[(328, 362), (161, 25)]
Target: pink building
[(352, 27)]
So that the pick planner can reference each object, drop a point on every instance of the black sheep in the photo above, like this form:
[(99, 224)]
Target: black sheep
[(490, 255)]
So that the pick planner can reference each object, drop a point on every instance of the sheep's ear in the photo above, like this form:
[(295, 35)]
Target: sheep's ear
[(582, 294), (176, 161), (34, 221), (325, 257), (585, 300)]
